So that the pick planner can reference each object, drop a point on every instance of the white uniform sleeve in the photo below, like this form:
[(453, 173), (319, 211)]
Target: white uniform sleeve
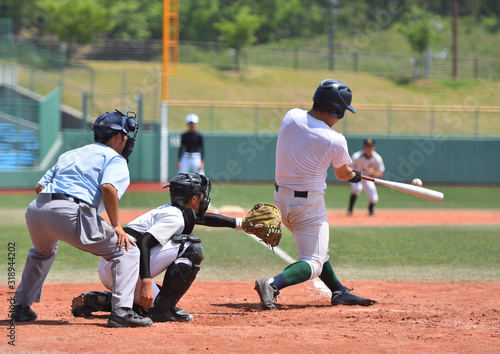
[(355, 161), (341, 153), (380, 162), (166, 227)]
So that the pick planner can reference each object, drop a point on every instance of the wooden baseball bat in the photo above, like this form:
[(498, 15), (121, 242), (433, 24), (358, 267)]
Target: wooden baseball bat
[(416, 191)]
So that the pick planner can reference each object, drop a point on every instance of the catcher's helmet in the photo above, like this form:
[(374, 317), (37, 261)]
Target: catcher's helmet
[(334, 97), (186, 185)]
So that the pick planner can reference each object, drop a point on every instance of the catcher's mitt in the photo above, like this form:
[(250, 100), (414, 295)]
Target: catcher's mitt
[(264, 221)]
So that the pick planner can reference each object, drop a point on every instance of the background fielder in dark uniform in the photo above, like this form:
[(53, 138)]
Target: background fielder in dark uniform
[(191, 152)]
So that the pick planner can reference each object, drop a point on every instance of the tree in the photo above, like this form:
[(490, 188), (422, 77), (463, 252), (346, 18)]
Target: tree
[(75, 21), (420, 31), (135, 19), (197, 19), (239, 32)]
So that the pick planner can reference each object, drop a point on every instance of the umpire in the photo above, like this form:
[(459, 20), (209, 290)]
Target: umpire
[(71, 195)]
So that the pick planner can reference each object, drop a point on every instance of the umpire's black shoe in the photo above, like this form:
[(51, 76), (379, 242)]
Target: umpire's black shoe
[(348, 298), (267, 293), (174, 314), (24, 313), (129, 319)]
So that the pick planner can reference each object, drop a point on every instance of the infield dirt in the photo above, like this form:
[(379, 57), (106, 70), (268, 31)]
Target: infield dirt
[(410, 316)]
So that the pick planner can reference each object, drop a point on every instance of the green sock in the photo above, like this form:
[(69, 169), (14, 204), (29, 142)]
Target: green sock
[(297, 272), (328, 276)]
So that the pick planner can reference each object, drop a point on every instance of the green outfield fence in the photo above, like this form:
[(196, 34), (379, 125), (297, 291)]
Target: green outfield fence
[(250, 157)]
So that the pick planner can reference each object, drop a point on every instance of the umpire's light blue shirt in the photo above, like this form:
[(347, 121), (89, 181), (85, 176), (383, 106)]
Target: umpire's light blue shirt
[(80, 173)]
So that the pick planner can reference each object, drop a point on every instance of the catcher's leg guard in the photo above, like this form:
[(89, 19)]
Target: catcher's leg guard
[(93, 301), (178, 279)]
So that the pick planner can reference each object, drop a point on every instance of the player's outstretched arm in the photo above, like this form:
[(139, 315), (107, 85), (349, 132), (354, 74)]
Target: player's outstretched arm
[(217, 220)]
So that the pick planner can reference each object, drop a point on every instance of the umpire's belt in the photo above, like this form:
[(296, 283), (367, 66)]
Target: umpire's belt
[(137, 235), (64, 196), (296, 194)]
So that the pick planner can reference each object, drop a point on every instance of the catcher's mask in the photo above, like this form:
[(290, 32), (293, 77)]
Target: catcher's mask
[(186, 185), (109, 124), (334, 97)]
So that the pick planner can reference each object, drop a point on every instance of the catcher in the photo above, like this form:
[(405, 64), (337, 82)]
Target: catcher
[(164, 238)]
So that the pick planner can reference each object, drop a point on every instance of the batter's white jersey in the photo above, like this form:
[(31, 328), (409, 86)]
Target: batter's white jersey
[(305, 149)]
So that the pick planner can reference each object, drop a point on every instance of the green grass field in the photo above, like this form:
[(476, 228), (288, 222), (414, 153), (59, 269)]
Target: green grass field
[(451, 253)]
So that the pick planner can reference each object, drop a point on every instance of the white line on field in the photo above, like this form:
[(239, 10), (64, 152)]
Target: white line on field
[(318, 284)]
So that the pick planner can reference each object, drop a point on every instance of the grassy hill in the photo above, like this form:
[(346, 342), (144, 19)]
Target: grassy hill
[(196, 86)]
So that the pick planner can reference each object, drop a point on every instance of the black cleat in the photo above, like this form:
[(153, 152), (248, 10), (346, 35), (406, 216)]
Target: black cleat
[(348, 298), (129, 319), (24, 313), (175, 314)]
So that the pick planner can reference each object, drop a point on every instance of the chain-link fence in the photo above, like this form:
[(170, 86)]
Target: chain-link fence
[(88, 93)]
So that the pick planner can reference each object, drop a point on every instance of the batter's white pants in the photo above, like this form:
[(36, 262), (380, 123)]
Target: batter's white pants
[(161, 258), (190, 162), (307, 219), (368, 187)]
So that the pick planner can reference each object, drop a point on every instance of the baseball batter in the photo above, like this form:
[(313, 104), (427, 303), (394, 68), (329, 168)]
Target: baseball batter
[(164, 238), (370, 163), (191, 152), (305, 149), (71, 195)]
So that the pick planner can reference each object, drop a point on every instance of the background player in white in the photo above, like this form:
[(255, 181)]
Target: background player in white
[(370, 163), (191, 152), (305, 149), (164, 238)]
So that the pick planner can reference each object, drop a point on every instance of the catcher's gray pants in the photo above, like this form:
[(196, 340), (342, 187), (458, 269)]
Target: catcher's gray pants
[(48, 222)]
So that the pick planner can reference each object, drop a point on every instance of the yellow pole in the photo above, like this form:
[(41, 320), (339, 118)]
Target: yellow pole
[(166, 46), (164, 105)]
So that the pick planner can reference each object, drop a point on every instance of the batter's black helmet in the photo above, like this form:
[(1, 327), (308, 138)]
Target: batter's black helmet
[(186, 185), (334, 97)]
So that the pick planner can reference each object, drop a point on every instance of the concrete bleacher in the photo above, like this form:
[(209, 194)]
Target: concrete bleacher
[(18, 148)]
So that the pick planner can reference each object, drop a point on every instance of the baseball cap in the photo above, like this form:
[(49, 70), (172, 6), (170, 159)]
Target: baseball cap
[(192, 118), (369, 141)]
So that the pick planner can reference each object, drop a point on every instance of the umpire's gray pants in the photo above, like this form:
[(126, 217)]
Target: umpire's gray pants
[(48, 222)]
